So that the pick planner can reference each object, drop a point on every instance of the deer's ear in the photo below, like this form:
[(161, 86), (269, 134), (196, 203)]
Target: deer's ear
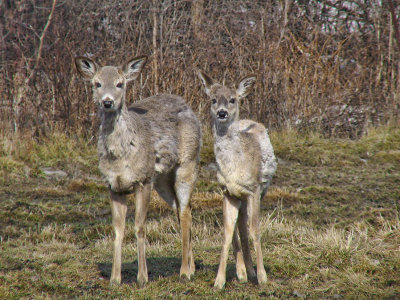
[(206, 80), (133, 67), (245, 85), (86, 67)]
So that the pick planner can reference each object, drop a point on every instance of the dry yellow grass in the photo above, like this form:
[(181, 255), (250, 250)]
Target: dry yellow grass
[(330, 226)]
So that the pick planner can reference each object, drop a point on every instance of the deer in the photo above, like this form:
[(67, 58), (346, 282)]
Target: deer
[(155, 142), (245, 166)]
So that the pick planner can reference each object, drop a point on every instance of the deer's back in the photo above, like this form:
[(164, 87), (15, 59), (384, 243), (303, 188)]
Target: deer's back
[(259, 135), (167, 116)]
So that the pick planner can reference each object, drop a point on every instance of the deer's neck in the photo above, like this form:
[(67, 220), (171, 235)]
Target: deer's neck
[(119, 132), (228, 153), (227, 137), (226, 130)]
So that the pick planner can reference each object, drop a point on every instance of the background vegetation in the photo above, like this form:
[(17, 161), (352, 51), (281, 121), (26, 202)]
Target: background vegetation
[(328, 90), (326, 65)]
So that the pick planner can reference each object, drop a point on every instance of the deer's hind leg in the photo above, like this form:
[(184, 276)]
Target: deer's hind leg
[(238, 253), (244, 239), (253, 209), (186, 176)]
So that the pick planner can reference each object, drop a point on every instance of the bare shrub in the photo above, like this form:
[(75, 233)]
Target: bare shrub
[(326, 65)]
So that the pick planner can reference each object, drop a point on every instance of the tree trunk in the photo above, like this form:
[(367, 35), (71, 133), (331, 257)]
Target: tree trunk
[(197, 19)]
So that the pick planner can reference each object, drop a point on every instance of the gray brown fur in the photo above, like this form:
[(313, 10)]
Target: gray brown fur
[(155, 124), (155, 142), (246, 164)]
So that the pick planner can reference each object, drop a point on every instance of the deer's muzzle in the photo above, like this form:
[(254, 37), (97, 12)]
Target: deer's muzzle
[(222, 114), (108, 103)]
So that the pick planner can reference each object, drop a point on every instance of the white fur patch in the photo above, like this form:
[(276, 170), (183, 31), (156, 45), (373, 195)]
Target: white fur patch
[(183, 191)]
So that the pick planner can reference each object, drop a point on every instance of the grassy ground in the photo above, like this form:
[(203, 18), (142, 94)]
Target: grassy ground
[(330, 224)]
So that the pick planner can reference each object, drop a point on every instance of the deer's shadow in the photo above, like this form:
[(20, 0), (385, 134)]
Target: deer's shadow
[(163, 267), (157, 267)]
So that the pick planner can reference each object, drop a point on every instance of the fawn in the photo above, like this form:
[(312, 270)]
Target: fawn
[(246, 164)]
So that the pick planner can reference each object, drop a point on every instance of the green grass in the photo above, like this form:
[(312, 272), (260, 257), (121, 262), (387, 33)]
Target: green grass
[(330, 224)]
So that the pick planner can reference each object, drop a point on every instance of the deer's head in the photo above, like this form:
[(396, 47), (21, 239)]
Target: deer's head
[(225, 101), (109, 82)]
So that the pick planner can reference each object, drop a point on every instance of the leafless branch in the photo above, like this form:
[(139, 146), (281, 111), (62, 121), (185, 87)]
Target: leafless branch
[(41, 40)]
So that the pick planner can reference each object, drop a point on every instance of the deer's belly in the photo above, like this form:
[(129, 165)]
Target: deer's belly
[(237, 183), (120, 177)]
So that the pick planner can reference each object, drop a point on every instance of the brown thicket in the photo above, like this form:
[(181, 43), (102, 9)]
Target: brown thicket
[(331, 65)]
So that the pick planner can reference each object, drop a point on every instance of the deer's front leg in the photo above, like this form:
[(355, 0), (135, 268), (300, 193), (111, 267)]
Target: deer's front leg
[(142, 204), (231, 207), (118, 210)]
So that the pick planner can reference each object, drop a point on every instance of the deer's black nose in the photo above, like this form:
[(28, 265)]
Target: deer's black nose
[(222, 114), (108, 103)]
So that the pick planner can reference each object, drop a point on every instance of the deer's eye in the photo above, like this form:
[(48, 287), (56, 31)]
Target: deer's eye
[(120, 85), (97, 84), (233, 100), (214, 100)]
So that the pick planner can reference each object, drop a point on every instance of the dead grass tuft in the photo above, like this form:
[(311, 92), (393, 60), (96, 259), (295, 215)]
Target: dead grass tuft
[(330, 228), (378, 146), (82, 185)]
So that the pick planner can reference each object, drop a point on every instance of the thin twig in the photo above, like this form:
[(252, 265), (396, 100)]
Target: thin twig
[(42, 36), (155, 49)]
